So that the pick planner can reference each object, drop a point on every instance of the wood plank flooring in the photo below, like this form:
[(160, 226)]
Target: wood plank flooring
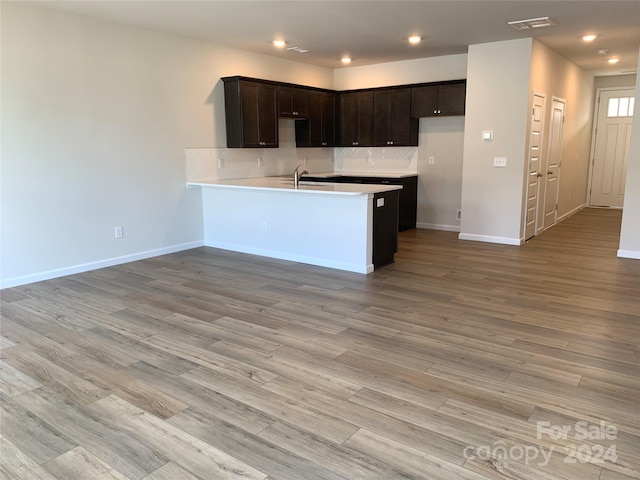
[(462, 360)]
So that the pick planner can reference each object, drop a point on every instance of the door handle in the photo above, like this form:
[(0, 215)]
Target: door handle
[(539, 175), (549, 172)]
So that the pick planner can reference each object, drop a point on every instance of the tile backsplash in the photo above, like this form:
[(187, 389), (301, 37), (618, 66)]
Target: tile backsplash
[(203, 164), (376, 159)]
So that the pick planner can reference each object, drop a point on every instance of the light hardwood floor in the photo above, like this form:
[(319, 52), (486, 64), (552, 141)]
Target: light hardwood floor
[(462, 360)]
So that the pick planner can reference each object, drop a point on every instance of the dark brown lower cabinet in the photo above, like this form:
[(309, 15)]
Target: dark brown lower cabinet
[(408, 195), (385, 227)]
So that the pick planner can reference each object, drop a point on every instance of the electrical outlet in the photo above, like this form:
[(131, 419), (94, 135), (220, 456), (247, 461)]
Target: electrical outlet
[(263, 227), (458, 214), (260, 161), (220, 162), (304, 161), (432, 159), (117, 232)]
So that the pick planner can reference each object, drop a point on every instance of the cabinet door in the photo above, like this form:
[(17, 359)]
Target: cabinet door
[(320, 129), (436, 100), (293, 102), (249, 105), (392, 121), (348, 119), (424, 101), (250, 109), (408, 203), (267, 116), (356, 119), (451, 99), (328, 120), (382, 117)]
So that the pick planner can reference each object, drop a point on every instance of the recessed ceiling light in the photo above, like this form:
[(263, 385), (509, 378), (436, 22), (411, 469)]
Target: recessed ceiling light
[(589, 38), (613, 61), (279, 43), (533, 23), (414, 39), (346, 60)]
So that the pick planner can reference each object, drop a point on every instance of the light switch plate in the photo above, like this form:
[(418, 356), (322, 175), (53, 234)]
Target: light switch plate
[(380, 202), (500, 162), (487, 135)]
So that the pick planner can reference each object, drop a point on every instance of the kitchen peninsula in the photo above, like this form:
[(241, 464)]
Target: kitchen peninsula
[(351, 227)]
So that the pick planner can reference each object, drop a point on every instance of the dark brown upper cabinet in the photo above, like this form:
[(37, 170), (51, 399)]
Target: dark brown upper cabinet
[(439, 99), (392, 121), (250, 113), (384, 116), (356, 118), (320, 129), (293, 102)]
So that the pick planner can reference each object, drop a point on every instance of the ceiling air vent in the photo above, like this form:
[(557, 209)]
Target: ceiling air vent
[(533, 23)]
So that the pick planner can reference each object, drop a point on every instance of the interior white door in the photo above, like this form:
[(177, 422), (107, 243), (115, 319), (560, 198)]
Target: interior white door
[(611, 149), (535, 163), (552, 175)]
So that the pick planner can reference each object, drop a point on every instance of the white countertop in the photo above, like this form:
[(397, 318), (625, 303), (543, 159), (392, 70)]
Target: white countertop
[(285, 184), (362, 174)]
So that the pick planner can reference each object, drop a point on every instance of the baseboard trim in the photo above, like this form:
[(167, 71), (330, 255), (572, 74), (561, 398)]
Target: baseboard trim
[(490, 239), (85, 267), (634, 254), (570, 213), (438, 226)]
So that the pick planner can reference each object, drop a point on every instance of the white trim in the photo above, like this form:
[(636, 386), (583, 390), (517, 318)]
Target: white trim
[(320, 262), (85, 267), (594, 129), (438, 226), (490, 239), (570, 213), (635, 254)]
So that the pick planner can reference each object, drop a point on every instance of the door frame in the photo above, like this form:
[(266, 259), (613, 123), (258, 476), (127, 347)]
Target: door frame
[(594, 128)]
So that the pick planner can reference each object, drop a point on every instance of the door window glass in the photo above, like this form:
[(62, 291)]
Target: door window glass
[(620, 107)]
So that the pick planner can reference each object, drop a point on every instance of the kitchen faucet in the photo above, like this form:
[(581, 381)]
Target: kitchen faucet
[(297, 175)]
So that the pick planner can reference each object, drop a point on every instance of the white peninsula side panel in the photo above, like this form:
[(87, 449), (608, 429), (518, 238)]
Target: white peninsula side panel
[(304, 226)]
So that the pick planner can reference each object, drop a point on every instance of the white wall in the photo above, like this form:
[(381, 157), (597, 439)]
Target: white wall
[(554, 76), (433, 69), (497, 100), (440, 183), (615, 81), (630, 232), (95, 119)]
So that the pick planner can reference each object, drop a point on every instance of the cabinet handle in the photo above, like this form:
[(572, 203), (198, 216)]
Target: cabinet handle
[(354, 143), (262, 143), (324, 144), (295, 113)]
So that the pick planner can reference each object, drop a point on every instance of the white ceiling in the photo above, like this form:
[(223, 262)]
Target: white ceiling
[(375, 31)]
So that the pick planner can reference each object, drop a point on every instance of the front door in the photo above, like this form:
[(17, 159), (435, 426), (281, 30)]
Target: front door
[(554, 161), (611, 149)]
